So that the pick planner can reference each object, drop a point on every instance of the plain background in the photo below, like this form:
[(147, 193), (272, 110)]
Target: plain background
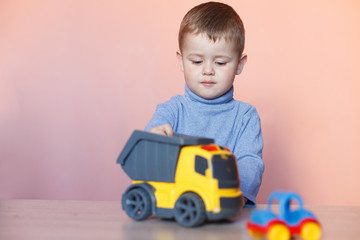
[(77, 77)]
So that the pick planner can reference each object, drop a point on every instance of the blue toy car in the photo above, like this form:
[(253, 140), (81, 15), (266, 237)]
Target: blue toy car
[(288, 222)]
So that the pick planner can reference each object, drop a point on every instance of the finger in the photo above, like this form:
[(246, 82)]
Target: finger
[(168, 130), (158, 130)]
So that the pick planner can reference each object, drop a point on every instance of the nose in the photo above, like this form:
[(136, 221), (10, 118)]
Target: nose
[(208, 69)]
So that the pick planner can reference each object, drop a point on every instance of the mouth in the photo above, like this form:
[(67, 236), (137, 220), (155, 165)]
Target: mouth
[(208, 83)]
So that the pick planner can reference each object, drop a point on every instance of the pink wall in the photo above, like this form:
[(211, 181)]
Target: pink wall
[(76, 77)]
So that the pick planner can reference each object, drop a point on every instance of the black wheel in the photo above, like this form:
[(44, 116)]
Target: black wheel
[(137, 204), (190, 210)]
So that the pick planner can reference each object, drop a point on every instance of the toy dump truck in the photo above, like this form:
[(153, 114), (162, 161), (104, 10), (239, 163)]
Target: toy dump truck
[(182, 177)]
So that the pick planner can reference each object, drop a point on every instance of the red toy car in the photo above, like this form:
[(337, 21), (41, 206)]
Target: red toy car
[(287, 223)]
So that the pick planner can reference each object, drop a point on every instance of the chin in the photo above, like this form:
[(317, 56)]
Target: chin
[(208, 96), (205, 94)]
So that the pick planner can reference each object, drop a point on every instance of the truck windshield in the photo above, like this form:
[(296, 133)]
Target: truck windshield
[(225, 170)]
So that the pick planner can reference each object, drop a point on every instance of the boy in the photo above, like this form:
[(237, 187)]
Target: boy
[(211, 42)]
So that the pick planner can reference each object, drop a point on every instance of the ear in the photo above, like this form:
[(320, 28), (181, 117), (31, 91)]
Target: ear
[(180, 59), (241, 63)]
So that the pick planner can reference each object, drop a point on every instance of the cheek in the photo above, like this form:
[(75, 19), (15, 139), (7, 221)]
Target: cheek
[(229, 73), (189, 76), (227, 77), (190, 71)]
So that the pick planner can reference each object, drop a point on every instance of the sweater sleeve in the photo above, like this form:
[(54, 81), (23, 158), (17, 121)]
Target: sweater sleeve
[(248, 151), (164, 113)]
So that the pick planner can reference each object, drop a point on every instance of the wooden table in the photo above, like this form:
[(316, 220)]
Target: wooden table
[(50, 220)]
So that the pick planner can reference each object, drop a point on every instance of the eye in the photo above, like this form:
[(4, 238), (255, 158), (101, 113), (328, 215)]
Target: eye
[(221, 63), (196, 62)]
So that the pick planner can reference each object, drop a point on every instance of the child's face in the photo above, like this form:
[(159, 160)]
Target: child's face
[(209, 67)]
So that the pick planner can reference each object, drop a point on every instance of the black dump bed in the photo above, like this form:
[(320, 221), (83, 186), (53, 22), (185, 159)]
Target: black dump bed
[(152, 157)]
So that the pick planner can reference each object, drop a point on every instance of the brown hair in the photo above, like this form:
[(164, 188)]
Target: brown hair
[(217, 20)]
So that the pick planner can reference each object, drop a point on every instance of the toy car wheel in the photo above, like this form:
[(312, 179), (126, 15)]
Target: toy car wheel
[(190, 210), (137, 204), (255, 234), (311, 231), (278, 232)]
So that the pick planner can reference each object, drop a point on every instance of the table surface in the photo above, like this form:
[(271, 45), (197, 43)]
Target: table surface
[(43, 219)]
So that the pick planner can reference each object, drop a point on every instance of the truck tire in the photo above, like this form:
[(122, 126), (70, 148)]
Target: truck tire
[(137, 204), (190, 210)]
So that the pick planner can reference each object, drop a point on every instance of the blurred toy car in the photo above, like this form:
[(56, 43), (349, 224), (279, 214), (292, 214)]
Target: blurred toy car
[(287, 223)]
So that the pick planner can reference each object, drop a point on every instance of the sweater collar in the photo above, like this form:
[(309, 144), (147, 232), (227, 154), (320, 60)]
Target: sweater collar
[(226, 97)]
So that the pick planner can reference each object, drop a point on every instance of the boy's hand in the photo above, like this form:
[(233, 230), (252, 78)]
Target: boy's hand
[(165, 130)]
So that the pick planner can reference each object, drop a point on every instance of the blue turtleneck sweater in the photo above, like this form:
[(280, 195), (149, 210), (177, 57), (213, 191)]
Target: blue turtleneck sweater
[(231, 123)]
